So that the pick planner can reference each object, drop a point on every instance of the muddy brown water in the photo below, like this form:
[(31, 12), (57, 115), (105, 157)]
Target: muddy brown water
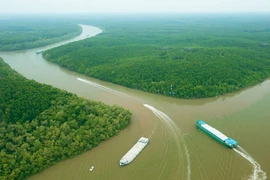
[(177, 149)]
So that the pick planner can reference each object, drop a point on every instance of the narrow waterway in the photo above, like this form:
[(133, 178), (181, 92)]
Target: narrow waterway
[(177, 149)]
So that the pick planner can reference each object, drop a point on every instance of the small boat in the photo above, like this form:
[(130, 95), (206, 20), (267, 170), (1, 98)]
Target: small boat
[(91, 168), (39, 51)]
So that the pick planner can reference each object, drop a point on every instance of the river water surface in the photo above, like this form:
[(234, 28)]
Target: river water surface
[(177, 149)]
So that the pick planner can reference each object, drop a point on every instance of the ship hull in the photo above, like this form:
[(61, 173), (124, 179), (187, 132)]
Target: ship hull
[(210, 134), (40, 51), (134, 151), (228, 142)]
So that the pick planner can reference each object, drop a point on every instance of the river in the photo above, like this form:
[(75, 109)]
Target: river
[(177, 149)]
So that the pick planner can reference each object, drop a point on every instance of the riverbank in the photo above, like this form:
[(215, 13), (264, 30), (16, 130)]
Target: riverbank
[(172, 61), (234, 114), (38, 120), (34, 32)]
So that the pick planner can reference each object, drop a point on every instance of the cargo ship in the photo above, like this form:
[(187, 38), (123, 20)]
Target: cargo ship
[(134, 151), (217, 135)]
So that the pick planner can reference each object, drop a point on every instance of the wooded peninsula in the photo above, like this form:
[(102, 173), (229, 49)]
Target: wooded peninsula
[(26, 32), (184, 56), (41, 125)]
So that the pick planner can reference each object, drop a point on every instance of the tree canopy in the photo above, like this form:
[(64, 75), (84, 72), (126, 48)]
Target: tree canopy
[(17, 33), (41, 125), (183, 56)]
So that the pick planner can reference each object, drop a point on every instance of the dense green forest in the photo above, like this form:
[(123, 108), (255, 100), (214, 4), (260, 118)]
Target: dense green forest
[(185, 56), (25, 32), (41, 125)]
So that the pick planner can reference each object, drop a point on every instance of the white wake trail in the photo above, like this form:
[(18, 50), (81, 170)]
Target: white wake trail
[(188, 160), (258, 173), (162, 116), (244, 151), (108, 89), (176, 132)]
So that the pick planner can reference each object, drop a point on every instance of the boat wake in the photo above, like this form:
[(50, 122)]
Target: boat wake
[(170, 125), (176, 132), (107, 89), (258, 173), (153, 132), (244, 151)]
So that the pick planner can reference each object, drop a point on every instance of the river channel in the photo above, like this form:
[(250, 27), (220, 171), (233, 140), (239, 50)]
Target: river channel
[(177, 149)]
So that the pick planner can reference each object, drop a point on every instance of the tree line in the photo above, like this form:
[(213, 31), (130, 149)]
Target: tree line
[(17, 33), (41, 125), (184, 57)]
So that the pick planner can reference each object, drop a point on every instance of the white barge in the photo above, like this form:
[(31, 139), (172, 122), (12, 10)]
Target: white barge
[(134, 151)]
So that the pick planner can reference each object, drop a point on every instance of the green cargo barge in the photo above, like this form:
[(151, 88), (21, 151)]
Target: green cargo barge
[(217, 135)]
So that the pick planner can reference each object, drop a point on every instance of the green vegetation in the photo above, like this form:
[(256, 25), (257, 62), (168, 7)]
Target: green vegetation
[(18, 33), (41, 125), (185, 56)]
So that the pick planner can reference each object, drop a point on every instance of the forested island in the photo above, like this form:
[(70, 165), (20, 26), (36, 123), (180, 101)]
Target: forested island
[(25, 32), (184, 56), (41, 125)]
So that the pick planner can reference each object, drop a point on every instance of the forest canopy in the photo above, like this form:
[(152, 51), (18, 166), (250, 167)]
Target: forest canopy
[(17, 33), (41, 125), (185, 56)]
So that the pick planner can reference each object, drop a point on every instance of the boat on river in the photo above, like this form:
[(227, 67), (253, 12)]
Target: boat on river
[(134, 151), (39, 51), (91, 168), (217, 135)]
